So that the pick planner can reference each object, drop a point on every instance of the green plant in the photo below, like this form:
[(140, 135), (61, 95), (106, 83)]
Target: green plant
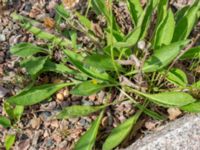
[(117, 56)]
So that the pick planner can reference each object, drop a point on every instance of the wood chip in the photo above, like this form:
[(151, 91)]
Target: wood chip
[(173, 113)]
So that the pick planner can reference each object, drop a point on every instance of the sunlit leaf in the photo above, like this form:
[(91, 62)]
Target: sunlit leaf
[(26, 49), (119, 133), (88, 88), (36, 94), (193, 107), (185, 25), (73, 57), (135, 9), (87, 141), (162, 57), (193, 53), (177, 77), (78, 111), (101, 62), (177, 99), (59, 68), (9, 141), (34, 65), (162, 37)]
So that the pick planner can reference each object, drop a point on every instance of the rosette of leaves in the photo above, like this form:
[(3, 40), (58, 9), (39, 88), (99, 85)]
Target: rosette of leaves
[(100, 68)]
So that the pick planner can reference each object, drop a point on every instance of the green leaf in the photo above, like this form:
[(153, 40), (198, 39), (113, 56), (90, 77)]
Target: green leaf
[(5, 122), (75, 60), (36, 94), (100, 8), (130, 40), (33, 65), (176, 99), (193, 107), (119, 133), (177, 77), (26, 49), (88, 88), (101, 62), (151, 113), (78, 111), (186, 23), (162, 11), (162, 57), (9, 141), (18, 111), (26, 24), (135, 9), (162, 37), (14, 113), (196, 84), (87, 141), (59, 68), (181, 12), (85, 21), (145, 19), (62, 12), (193, 53)]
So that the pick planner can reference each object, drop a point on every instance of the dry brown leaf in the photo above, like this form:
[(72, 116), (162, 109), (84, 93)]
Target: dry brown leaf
[(35, 123), (49, 22), (173, 113), (150, 125)]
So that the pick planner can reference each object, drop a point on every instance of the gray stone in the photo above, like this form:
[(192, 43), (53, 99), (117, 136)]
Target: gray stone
[(182, 134), (3, 92)]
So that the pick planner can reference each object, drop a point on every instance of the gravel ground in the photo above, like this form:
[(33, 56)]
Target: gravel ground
[(36, 130)]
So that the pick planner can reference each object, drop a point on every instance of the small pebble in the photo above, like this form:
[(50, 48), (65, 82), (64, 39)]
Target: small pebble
[(141, 45), (2, 37), (59, 97), (66, 93), (3, 92)]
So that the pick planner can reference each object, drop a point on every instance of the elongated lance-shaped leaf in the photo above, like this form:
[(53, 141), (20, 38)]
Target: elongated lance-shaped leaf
[(196, 85), (193, 53), (186, 23), (9, 141), (167, 99), (14, 113), (58, 68), (162, 10), (177, 77), (145, 19), (130, 40), (101, 62), (5, 122), (39, 33), (162, 57), (100, 7), (119, 133), (87, 88), (135, 9), (78, 111), (87, 141), (193, 107), (181, 12), (62, 12), (34, 65), (162, 37), (36, 94), (26, 49), (92, 73)]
